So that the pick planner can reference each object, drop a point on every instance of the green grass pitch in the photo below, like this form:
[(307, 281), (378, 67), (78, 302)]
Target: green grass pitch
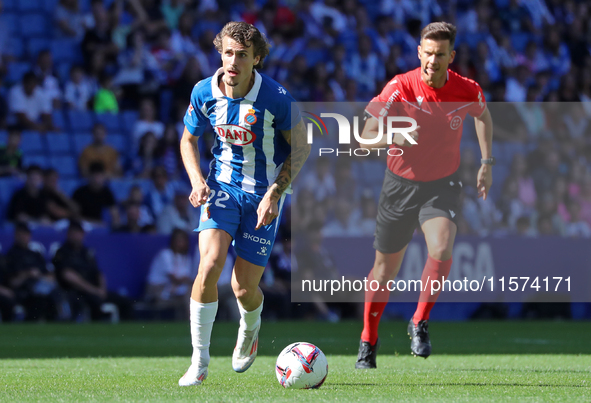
[(471, 361)]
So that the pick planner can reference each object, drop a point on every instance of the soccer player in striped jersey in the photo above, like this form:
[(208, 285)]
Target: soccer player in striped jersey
[(260, 145)]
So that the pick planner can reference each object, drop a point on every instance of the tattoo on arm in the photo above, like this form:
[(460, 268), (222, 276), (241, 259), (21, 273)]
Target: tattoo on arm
[(300, 150)]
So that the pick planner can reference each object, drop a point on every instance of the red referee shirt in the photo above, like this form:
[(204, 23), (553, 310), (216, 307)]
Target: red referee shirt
[(439, 111)]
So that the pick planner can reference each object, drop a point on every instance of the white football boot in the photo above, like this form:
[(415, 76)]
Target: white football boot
[(246, 348), (193, 376)]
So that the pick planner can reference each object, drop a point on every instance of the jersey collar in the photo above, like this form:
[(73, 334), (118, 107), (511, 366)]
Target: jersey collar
[(252, 94)]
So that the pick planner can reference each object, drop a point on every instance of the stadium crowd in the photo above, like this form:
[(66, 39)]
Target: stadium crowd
[(93, 92)]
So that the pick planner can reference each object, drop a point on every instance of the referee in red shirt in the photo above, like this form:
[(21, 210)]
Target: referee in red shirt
[(421, 187)]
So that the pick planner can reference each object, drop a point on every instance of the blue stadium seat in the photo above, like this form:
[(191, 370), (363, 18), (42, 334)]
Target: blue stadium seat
[(63, 71), (7, 188), (3, 137), (58, 143), (59, 120), (120, 188), (65, 165), (36, 45), (10, 4), (110, 120), (17, 47), (16, 71), (128, 119), (30, 5), (118, 142), (10, 20), (68, 186), (81, 121), (32, 142), (35, 159), (33, 25), (50, 5), (65, 50), (81, 140)]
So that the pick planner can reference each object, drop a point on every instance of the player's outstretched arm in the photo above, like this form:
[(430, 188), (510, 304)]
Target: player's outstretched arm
[(190, 154), (300, 150), (484, 131)]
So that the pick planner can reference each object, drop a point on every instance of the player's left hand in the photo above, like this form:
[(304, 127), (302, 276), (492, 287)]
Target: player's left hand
[(484, 180), (268, 211)]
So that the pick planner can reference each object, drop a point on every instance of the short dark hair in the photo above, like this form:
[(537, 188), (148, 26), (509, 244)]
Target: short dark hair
[(440, 31), (246, 35), (34, 168)]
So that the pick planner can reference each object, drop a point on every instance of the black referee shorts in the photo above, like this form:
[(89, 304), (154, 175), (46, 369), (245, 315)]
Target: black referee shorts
[(405, 204)]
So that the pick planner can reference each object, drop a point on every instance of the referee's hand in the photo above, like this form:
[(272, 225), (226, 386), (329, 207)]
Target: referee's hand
[(401, 141), (199, 194), (484, 181)]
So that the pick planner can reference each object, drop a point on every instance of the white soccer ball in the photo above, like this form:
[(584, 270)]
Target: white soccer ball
[(301, 366)]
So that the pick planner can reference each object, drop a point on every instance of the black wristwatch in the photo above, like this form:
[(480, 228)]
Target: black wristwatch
[(488, 161)]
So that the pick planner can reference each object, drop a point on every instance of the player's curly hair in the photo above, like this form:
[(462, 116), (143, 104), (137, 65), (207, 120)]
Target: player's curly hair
[(440, 31), (246, 35)]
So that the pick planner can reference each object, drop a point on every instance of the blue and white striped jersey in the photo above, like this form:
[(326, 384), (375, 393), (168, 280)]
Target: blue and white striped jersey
[(249, 148)]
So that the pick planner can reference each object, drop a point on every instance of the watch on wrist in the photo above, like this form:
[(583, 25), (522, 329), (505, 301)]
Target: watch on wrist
[(488, 161)]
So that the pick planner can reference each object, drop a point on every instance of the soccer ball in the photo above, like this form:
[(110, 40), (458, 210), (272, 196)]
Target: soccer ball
[(301, 366)]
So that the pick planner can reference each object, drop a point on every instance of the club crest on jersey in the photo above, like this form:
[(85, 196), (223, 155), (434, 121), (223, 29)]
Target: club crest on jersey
[(455, 122), (250, 117), (236, 135)]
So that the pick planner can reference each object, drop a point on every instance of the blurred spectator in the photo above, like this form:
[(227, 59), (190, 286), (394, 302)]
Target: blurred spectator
[(99, 151), (547, 210), (97, 40), (147, 122), (59, 205), (144, 162), (137, 69), (171, 276), (169, 67), (584, 199), (105, 99), (78, 274), (7, 296), (168, 152), (132, 221), (31, 105), (365, 67), (172, 11), (11, 157), (47, 81), (321, 181), (523, 227), (180, 214), (545, 175), (365, 216), (70, 21), (78, 91), (576, 227), (29, 204), (516, 89), (161, 193), (481, 215), (343, 223), (34, 286), (516, 17), (136, 196), (527, 189), (95, 196), (181, 41)]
